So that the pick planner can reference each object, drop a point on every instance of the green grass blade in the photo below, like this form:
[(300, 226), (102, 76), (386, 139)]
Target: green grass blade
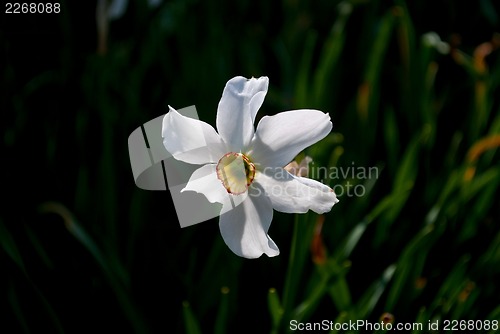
[(191, 325), (10, 247), (371, 297), (330, 54), (221, 320), (275, 309)]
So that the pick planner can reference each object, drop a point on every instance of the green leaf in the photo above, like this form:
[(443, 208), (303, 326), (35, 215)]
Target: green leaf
[(112, 269), (409, 267), (451, 287), (301, 240), (16, 307), (308, 306), (222, 314), (495, 314), (403, 184), (9, 245), (372, 295), (330, 54), (191, 325), (275, 309), (345, 249), (392, 141), (302, 85), (340, 294)]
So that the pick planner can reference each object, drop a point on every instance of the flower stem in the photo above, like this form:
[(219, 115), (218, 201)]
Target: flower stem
[(291, 279)]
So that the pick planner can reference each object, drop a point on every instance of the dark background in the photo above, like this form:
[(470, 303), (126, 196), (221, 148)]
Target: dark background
[(85, 250)]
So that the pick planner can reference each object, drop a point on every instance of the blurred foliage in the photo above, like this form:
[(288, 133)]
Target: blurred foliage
[(412, 88)]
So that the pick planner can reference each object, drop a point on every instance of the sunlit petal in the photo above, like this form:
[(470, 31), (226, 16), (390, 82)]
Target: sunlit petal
[(238, 106), (279, 138)]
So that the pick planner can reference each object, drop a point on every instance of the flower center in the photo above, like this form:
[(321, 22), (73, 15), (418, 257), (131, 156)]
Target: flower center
[(236, 172)]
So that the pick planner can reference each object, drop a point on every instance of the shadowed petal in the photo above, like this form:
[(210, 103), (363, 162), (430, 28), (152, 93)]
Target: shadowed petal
[(191, 140), (244, 228), (204, 181), (238, 106), (281, 137)]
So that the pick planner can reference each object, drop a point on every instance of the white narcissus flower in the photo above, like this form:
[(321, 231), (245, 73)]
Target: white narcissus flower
[(249, 164)]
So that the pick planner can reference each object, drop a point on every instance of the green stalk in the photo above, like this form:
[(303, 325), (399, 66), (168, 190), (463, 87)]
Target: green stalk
[(301, 239), (290, 279)]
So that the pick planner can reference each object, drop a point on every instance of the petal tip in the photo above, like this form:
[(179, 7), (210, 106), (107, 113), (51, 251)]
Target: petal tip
[(273, 254)]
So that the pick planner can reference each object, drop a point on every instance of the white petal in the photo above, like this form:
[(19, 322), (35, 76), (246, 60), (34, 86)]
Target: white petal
[(292, 194), (244, 228), (281, 137), (191, 140), (204, 181), (238, 106)]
